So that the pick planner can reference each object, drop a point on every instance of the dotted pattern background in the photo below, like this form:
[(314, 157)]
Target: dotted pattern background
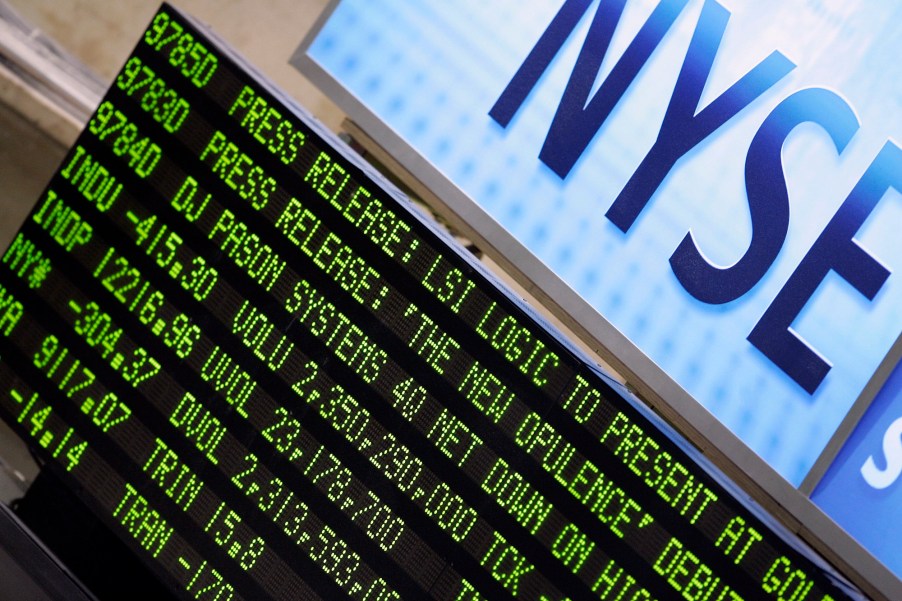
[(433, 69)]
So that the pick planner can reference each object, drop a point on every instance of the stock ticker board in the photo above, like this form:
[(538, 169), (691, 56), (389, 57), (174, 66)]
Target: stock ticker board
[(271, 378)]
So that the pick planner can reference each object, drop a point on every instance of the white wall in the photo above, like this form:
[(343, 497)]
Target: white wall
[(102, 33)]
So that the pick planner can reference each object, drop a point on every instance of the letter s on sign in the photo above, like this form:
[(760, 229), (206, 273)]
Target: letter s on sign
[(892, 448)]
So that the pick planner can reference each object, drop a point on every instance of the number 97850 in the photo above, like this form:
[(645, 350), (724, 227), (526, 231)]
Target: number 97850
[(184, 52)]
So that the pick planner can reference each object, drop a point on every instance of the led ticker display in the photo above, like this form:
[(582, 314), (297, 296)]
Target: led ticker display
[(272, 378)]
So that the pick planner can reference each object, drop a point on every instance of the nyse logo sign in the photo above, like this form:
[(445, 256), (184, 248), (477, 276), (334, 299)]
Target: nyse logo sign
[(714, 178), (861, 491), (880, 478), (686, 125)]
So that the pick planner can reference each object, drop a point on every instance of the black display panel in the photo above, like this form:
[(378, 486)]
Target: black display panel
[(272, 378)]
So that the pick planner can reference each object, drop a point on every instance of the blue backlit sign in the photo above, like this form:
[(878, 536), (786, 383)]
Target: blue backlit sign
[(719, 180), (862, 490)]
